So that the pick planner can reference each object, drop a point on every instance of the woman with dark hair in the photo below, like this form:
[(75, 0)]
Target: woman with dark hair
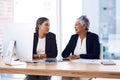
[(44, 41), (44, 45)]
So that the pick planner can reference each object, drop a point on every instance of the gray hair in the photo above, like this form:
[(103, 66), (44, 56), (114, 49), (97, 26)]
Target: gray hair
[(84, 20)]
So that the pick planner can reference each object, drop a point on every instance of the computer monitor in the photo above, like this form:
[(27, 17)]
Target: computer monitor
[(22, 34)]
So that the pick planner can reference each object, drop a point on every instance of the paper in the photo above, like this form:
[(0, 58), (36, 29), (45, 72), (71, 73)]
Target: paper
[(87, 61), (108, 62)]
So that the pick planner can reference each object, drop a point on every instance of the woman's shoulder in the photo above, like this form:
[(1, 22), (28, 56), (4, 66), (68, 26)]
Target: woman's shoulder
[(74, 35), (35, 34), (92, 34), (51, 34)]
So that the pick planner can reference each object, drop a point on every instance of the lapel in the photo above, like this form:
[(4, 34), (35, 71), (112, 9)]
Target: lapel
[(75, 39), (87, 42), (47, 42)]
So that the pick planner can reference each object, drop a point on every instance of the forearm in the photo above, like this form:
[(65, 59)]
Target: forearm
[(90, 56)]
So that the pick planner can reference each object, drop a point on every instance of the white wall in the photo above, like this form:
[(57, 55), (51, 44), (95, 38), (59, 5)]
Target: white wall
[(70, 11), (91, 10), (30, 10)]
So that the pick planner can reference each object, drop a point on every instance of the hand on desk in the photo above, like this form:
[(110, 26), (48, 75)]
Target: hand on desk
[(39, 56), (74, 57)]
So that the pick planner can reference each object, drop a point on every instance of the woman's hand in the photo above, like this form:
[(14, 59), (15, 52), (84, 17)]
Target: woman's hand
[(39, 56), (42, 56), (35, 56), (74, 57)]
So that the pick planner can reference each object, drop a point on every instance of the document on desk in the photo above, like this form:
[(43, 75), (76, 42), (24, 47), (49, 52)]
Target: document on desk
[(108, 62), (87, 61)]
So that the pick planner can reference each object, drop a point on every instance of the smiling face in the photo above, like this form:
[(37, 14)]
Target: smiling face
[(44, 27), (79, 27)]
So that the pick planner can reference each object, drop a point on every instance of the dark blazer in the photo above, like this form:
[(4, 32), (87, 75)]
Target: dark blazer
[(50, 45), (92, 46)]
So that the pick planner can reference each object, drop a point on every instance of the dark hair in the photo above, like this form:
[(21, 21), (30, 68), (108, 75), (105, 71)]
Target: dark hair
[(40, 21)]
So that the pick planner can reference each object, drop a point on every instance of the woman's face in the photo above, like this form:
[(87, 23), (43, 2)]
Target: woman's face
[(44, 27), (79, 27)]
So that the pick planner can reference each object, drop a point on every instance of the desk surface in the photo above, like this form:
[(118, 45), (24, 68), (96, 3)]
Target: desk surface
[(64, 69)]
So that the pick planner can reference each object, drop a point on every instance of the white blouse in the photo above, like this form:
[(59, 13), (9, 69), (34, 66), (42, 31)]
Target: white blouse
[(80, 47), (41, 46)]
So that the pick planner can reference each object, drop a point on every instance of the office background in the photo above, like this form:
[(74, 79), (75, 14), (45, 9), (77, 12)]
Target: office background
[(104, 16)]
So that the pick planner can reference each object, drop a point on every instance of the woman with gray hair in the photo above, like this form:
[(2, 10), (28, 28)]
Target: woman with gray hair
[(83, 44)]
